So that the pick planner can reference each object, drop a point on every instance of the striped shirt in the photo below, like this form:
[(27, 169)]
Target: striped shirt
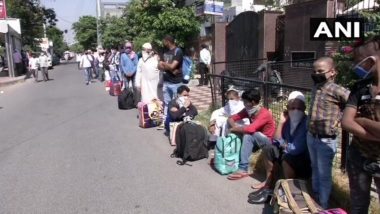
[(326, 108)]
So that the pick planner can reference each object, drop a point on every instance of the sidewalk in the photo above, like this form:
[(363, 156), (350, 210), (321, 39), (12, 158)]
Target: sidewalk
[(200, 96), (6, 81)]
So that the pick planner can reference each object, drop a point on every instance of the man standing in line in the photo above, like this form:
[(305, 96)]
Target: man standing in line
[(43, 62), (171, 65), (128, 65), (204, 64), (328, 101), (362, 118)]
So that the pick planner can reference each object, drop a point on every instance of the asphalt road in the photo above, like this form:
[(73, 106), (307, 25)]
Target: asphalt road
[(66, 148)]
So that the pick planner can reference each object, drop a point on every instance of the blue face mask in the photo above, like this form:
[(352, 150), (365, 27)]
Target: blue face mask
[(361, 72)]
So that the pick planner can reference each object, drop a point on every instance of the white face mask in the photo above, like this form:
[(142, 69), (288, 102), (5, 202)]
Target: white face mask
[(295, 117), (234, 106), (252, 110), (181, 101)]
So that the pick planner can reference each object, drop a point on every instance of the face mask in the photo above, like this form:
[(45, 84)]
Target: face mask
[(181, 101), (253, 110), (128, 50), (319, 78), (362, 72), (295, 117), (234, 106)]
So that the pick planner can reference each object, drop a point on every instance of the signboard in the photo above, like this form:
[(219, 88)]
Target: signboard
[(3, 10), (303, 59), (215, 8)]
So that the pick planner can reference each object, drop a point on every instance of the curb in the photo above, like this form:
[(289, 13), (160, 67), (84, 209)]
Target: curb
[(14, 81)]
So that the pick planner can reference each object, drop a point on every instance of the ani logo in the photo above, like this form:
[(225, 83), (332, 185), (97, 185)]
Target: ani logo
[(336, 29)]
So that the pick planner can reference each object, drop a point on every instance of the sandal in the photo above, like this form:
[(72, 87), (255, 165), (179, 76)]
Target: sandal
[(238, 175)]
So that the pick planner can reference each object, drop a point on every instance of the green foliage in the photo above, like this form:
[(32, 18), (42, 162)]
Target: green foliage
[(32, 17), (113, 31), (152, 19), (56, 35), (85, 32), (76, 48)]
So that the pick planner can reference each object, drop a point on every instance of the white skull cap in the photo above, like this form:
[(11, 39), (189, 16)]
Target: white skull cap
[(296, 95), (147, 46)]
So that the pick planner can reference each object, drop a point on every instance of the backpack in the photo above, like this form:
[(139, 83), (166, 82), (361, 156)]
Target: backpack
[(126, 99), (227, 154), (293, 196), (191, 143), (187, 67)]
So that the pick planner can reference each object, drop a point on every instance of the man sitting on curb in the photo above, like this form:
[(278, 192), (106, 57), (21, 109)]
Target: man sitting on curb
[(290, 146), (180, 109), (256, 135)]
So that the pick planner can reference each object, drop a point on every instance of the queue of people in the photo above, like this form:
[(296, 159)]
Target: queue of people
[(304, 142)]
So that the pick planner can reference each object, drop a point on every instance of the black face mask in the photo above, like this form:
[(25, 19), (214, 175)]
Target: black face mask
[(318, 78)]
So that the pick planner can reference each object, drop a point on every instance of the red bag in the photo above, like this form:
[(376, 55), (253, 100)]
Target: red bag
[(115, 89), (107, 84), (150, 114)]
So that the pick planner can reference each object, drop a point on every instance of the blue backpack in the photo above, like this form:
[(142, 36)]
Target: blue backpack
[(227, 154), (187, 68)]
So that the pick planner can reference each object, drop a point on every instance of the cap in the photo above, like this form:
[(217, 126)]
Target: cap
[(232, 88), (147, 46), (296, 95)]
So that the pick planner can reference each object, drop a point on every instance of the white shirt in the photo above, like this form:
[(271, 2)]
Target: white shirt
[(43, 61), (86, 61), (33, 63), (205, 56)]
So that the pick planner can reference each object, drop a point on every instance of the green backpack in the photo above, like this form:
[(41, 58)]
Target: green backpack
[(227, 154)]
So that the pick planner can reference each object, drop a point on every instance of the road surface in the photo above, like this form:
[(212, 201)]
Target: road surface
[(66, 148)]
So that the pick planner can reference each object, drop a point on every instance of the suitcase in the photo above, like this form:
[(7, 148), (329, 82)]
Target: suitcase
[(150, 114), (115, 89), (107, 85)]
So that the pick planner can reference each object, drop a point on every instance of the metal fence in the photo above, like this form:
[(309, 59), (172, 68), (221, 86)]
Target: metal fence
[(274, 97)]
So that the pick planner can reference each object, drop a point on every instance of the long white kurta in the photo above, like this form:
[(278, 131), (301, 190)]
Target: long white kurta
[(148, 78)]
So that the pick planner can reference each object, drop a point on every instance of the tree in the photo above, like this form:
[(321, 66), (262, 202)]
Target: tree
[(32, 17), (113, 31), (56, 35), (85, 32), (76, 48), (150, 20)]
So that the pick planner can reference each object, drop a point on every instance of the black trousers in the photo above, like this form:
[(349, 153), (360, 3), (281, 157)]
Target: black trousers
[(360, 182), (203, 71)]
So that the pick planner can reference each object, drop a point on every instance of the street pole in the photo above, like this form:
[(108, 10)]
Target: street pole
[(98, 14)]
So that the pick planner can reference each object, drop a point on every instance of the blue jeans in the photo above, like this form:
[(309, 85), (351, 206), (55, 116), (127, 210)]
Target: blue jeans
[(251, 143), (170, 92), (87, 74), (322, 152)]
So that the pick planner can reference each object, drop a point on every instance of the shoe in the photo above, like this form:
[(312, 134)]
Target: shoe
[(161, 127), (87, 83), (260, 198)]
